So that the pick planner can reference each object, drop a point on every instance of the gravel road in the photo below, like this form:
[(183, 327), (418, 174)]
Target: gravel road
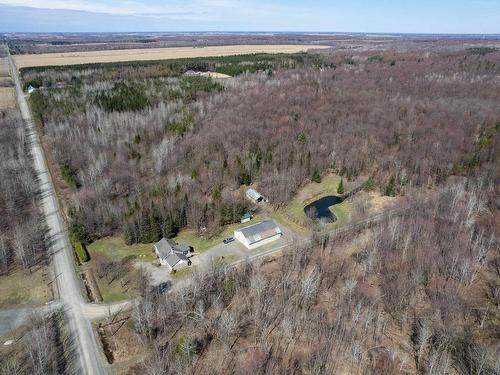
[(68, 284)]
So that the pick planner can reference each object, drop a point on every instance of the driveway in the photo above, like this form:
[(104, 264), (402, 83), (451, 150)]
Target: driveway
[(158, 274)]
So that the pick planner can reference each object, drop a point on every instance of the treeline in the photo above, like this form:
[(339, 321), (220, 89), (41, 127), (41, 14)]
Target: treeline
[(123, 95), (416, 294), (400, 120), (232, 65), (22, 226), (78, 43)]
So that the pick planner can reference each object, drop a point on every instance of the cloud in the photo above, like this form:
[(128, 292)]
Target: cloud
[(192, 9), (425, 16)]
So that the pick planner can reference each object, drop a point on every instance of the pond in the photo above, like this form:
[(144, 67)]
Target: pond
[(320, 209)]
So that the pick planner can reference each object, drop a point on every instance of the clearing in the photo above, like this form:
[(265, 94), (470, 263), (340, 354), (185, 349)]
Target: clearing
[(294, 217), (22, 288), (111, 266), (7, 97), (149, 54)]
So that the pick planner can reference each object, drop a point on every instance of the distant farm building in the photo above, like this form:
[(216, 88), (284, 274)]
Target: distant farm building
[(214, 75), (254, 196), (173, 255), (258, 234)]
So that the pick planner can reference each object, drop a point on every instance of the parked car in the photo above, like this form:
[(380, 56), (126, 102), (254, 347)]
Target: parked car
[(228, 240)]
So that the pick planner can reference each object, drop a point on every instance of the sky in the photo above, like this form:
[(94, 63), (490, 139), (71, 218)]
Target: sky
[(370, 16)]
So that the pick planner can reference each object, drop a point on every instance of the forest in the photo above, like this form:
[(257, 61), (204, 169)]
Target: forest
[(22, 227), (147, 150)]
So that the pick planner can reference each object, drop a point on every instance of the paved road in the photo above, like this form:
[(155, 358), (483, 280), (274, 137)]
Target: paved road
[(10, 319), (68, 286)]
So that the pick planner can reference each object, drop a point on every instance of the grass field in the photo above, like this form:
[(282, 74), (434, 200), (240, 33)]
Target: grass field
[(115, 292), (24, 288), (7, 97), (73, 58), (293, 215), (115, 248)]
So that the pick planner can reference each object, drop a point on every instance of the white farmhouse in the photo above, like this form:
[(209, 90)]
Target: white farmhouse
[(173, 255), (258, 234)]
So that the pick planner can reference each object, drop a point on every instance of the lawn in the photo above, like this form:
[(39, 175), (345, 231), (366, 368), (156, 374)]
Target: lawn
[(25, 288), (293, 215), (115, 248), (115, 292)]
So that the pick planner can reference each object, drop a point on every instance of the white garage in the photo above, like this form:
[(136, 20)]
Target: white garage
[(258, 234)]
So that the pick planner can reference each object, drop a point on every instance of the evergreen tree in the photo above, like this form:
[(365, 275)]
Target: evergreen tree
[(170, 228), (340, 188), (369, 184), (155, 231), (144, 228), (390, 189), (316, 177), (130, 232)]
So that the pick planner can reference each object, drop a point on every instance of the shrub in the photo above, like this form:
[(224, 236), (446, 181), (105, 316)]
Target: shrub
[(81, 252), (69, 175)]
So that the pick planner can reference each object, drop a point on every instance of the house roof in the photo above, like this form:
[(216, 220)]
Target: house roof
[(175, 258), (260, 231), (164, 247), (183, 249)]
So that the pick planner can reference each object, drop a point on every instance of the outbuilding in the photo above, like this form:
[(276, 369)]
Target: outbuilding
[(254, 196), (258, 234), (246, 217)]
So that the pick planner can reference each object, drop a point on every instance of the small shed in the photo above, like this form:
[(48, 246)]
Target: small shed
[(254, 196), (246, 217), (31, 89)]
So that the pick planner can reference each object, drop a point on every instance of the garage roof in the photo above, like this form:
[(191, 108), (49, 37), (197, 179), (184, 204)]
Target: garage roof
[(260, 231)]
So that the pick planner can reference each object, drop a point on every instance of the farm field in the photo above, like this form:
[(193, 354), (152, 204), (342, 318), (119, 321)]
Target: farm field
[(4, 67), (7, 97), (73, 58)]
